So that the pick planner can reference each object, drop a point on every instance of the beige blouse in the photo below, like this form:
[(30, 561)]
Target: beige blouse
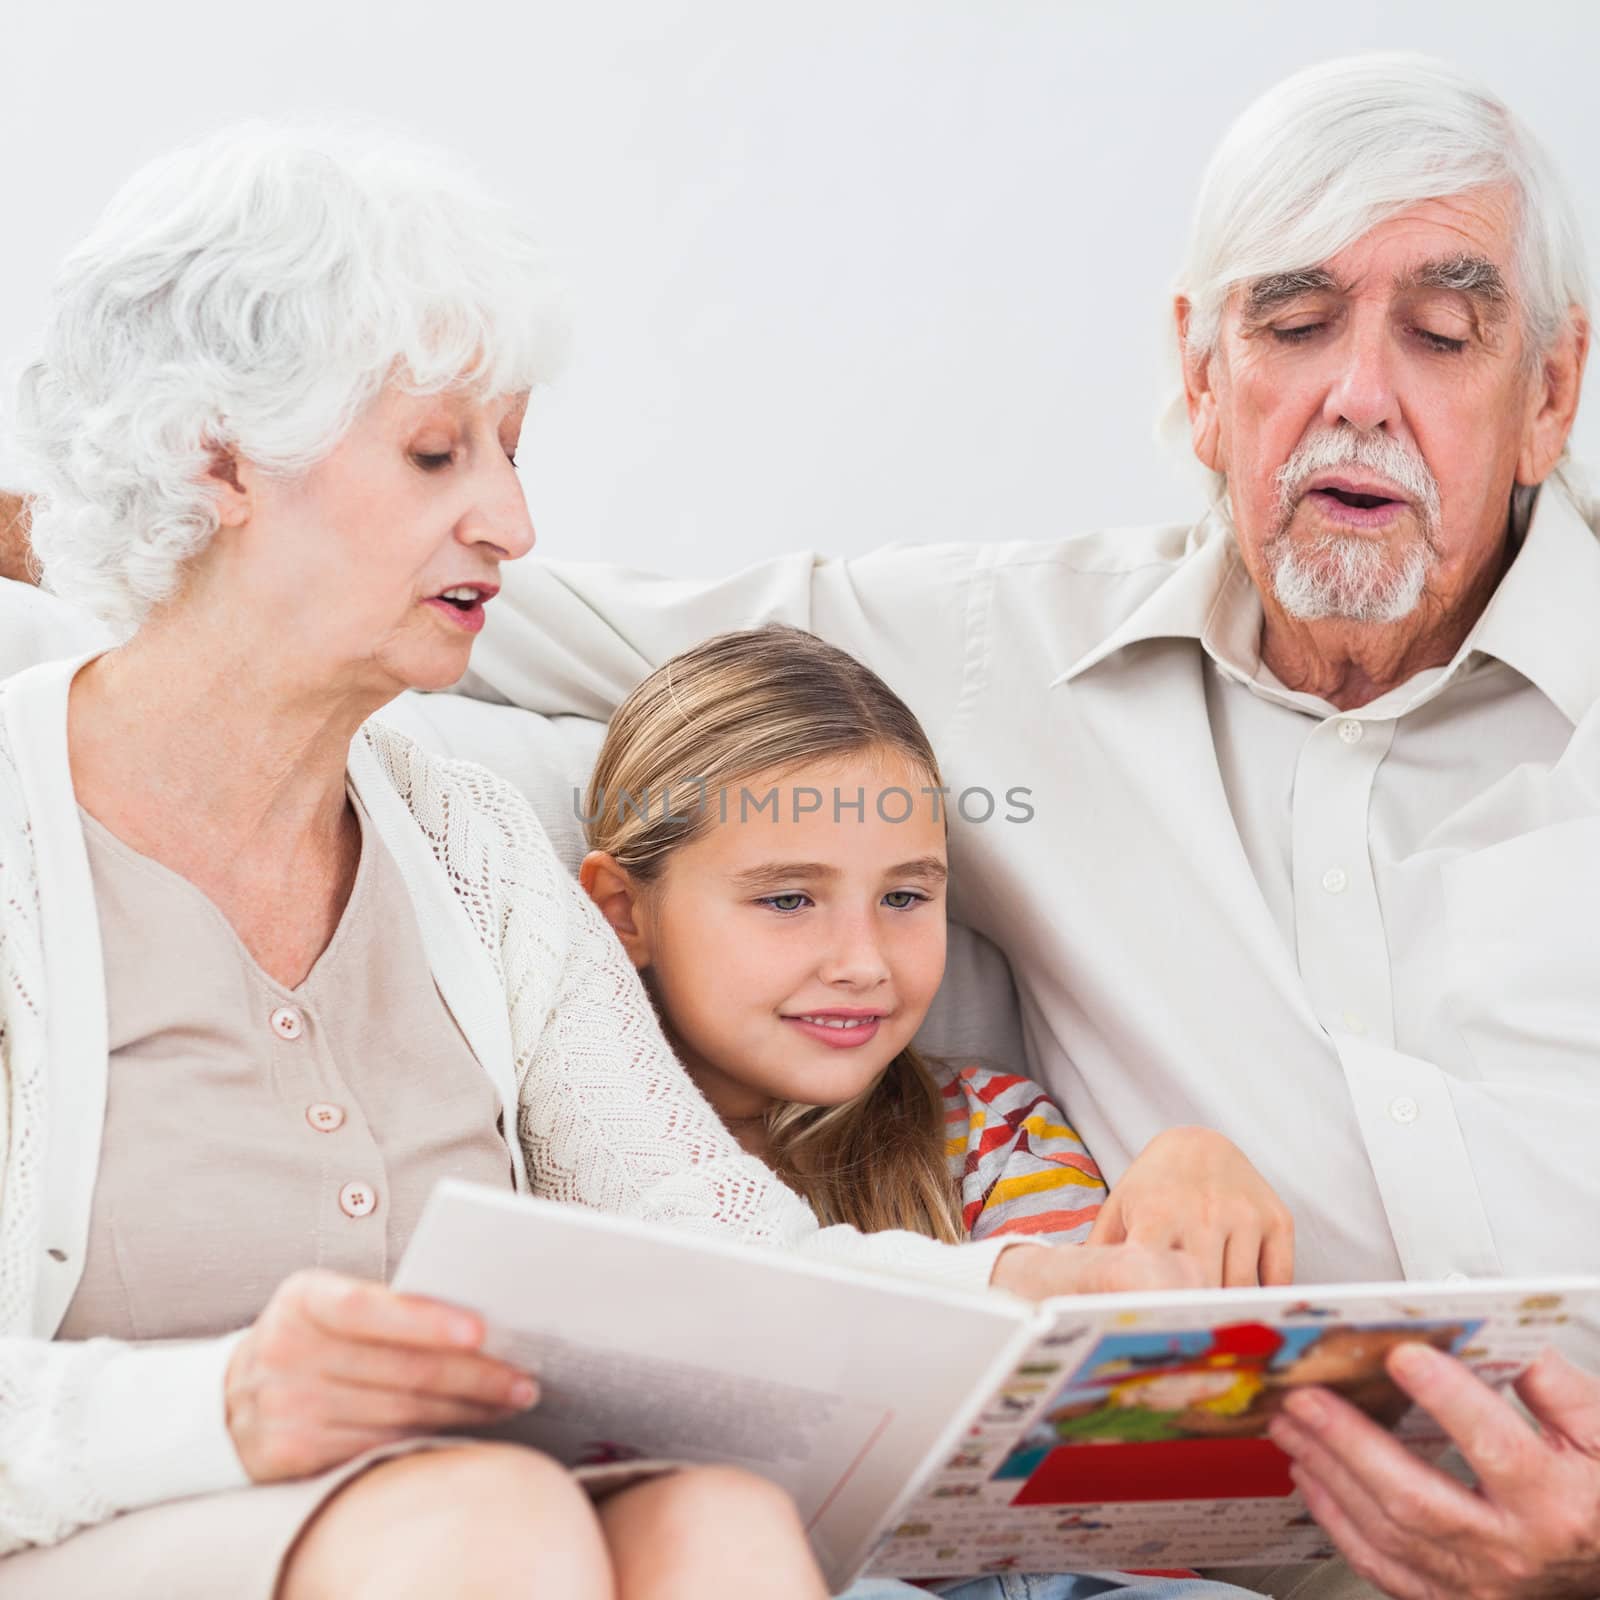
[(252, 1130)]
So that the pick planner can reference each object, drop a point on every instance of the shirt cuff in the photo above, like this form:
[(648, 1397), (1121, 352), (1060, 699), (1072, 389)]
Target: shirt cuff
[(158, 1424)]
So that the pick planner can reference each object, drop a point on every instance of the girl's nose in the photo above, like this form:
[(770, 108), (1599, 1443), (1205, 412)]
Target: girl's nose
[(856, 960)]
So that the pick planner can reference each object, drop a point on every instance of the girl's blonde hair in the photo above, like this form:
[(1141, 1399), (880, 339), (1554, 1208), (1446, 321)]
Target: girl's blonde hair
[(678, 751)]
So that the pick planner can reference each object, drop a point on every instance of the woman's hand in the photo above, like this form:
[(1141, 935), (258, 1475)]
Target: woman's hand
[(335, 1365), (1037, 1272), (1531, 1529), (1193, 1190)]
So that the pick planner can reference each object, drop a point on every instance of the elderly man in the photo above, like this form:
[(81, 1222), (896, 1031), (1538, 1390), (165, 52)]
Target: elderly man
[(1312, 851)]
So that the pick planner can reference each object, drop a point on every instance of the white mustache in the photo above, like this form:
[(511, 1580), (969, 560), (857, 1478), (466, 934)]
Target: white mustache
[(1334, 448)]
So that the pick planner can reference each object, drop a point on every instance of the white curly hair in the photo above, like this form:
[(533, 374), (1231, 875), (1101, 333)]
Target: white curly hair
[(251, 294)]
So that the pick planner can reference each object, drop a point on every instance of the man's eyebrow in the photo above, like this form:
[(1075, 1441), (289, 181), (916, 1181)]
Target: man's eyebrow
[(1476, 276), (1268, 293)]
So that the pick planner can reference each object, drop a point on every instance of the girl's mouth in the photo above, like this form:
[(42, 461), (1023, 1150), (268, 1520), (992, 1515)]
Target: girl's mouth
[(838, 1032)]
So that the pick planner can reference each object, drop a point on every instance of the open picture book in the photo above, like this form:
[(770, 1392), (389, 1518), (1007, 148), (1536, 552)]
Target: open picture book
[(927, 1432)]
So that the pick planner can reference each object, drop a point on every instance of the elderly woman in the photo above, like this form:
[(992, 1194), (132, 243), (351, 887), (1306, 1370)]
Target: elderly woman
[(267, 971)]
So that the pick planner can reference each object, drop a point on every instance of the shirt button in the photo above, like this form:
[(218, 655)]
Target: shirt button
[(1334, 880), (1353, 1023), (357, 1199), (325, 1118), (1455, 1277), (1350, 730), (287, 1023), (1404, 1109)]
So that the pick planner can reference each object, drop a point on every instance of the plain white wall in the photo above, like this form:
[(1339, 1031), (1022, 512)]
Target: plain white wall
[(844, 271)]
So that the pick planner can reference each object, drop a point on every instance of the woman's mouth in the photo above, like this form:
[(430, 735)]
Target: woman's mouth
[(464, 604), (838, 1030)]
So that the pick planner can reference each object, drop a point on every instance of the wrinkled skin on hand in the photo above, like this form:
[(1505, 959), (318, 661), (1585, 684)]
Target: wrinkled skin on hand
[(1531, 1529)]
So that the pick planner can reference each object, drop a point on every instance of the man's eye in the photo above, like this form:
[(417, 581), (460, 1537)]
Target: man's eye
[(903, 899), (430, 462), (1438, 341), (1298, 334), (784, 902)]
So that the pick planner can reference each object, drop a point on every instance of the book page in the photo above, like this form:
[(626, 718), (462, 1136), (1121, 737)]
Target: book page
[(1131, 1433), (655, 1345)]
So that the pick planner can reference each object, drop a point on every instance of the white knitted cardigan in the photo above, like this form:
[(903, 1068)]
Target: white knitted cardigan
[(542, 990)]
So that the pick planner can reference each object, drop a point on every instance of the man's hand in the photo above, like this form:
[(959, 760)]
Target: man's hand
[(335, 1365), (1191, 1189), (1531, 1530), (16, 554), (1038, 1272)]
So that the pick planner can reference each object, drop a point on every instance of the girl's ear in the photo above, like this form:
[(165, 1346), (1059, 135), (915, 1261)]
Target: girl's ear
[(612, 889)]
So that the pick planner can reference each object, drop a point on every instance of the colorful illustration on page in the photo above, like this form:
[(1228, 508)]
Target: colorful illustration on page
[(1183, 1415)]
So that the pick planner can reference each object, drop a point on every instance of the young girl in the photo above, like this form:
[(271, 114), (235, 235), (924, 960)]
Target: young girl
[(768, 842)]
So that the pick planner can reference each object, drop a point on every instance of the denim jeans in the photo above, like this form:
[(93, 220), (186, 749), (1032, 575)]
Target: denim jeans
[(1050, 1586)]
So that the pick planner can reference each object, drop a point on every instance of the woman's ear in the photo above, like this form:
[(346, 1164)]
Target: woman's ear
[(619, 898), (230, 488)]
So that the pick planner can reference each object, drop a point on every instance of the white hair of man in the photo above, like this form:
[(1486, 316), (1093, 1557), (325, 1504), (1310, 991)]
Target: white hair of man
[(1323, 157), (252, 294)]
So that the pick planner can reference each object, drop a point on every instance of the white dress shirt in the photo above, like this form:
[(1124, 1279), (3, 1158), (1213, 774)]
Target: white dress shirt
[(1364, 945)]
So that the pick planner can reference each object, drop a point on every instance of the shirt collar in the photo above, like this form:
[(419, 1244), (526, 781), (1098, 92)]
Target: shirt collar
[(1178, 609), (1540, 621)]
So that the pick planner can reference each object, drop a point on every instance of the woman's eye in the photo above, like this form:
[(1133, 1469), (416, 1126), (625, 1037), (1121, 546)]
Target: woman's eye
[(903, 899), (431, 462), (784, 902)]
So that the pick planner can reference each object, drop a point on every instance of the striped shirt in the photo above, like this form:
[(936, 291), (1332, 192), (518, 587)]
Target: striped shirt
[(1019, 1165)]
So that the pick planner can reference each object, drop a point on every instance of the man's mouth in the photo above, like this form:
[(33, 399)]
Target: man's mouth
[(1358, 503), (1363, 502)]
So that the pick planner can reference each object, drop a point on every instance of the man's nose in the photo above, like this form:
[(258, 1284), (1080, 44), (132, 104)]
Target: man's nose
[(1362, 392)]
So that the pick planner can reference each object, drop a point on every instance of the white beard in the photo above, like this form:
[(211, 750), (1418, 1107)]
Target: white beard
[(1343, 575)]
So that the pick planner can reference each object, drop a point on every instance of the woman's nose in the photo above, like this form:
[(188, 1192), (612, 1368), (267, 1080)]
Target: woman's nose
[(499, 517)]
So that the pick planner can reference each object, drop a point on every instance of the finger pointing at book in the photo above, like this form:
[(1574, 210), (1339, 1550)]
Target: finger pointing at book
[(1190, 1189), (1038, 1272), (1532, 1527)]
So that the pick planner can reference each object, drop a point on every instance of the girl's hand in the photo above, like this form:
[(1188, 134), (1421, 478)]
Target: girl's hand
[(335, 1365), (1193, 1190), (1038, 1272)]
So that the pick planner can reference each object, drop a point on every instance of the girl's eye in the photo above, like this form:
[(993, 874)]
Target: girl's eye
[(784, 902), (902, 899)]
